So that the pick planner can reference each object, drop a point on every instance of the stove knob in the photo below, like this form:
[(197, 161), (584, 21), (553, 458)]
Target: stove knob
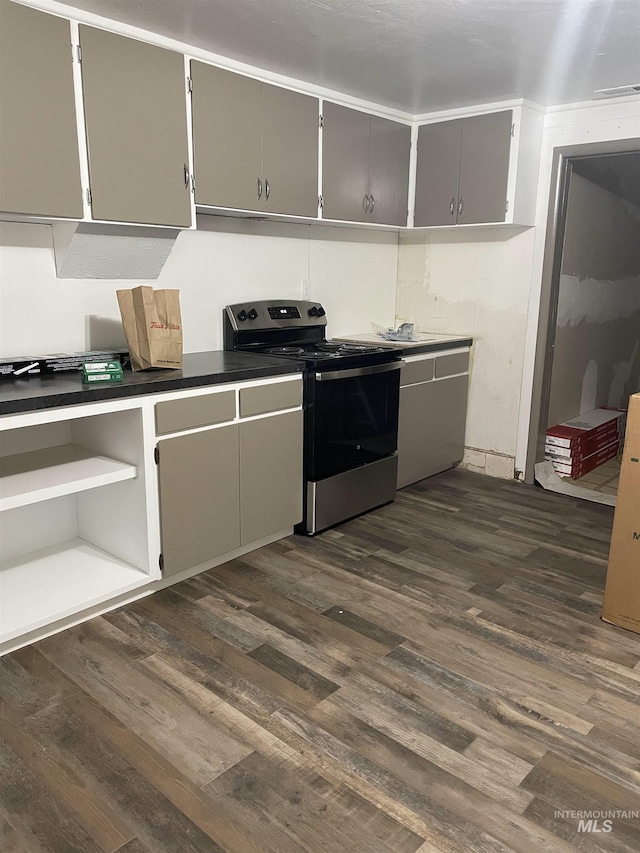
[(242, 315), (252, 314), (313, 311), (321, 311)]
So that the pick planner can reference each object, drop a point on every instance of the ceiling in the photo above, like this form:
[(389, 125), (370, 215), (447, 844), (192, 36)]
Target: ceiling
[(417, 56)]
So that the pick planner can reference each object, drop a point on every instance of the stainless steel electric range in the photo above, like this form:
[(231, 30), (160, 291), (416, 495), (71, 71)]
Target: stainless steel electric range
[(351, 397)]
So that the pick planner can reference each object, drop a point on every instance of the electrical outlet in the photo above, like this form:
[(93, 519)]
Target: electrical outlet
[(306, 288)]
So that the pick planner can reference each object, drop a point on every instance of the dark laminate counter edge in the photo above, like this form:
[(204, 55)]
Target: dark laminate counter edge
[(198, 370)]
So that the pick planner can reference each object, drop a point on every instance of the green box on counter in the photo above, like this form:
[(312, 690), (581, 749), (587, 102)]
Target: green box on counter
[(102, 367), (101, 371)]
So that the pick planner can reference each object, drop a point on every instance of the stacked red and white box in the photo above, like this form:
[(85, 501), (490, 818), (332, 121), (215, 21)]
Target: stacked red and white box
[(581, 444)]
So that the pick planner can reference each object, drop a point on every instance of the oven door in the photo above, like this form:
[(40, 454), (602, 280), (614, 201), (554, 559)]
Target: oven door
[(352, 417)]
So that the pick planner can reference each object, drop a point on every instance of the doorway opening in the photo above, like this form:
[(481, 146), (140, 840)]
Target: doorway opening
[(588, 353)]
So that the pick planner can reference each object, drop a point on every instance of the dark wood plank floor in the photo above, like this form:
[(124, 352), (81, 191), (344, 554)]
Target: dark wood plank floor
[(433, 676)]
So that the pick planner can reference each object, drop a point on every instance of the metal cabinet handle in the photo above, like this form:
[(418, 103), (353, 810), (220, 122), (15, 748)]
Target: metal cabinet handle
[(460, 206), (365, 203), (267, 189), (452, 206), (373, 204), (185, 171), (259, 189), (328, 375)]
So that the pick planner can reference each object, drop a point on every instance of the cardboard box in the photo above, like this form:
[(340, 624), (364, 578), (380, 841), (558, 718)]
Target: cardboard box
[(578, 451), (19, 365), (600, 426), (576, 467), (622, 592), (63, 362)]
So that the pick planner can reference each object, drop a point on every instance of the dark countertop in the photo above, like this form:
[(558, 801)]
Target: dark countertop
[(198, 369)]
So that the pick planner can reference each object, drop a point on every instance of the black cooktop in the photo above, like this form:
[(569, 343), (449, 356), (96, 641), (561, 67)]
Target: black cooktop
[(321, 350)]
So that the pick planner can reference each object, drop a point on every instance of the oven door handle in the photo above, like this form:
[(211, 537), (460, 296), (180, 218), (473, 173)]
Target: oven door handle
[(357, 371)]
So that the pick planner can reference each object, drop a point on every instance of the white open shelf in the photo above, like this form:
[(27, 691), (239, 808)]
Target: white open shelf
[(40, 475), (52, 583)]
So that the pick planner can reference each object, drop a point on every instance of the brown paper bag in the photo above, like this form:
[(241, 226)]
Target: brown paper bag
[(152, 326)]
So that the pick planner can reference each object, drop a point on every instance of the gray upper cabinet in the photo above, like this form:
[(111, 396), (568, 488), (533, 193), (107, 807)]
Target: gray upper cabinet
[(463, 169), (365, 167), (484, 167), (135, 115), (40, 172), (226, 137), (255, 145), (389, 151), (345, 162), (290, 135), (437, 173)]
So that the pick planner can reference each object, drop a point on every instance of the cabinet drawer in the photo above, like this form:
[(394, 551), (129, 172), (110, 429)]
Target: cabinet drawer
[(270, 398), (176, 415), (449, 365), (417, 371)]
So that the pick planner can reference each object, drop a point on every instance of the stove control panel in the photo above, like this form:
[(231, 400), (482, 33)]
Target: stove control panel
[(283, 312), (275, 314)]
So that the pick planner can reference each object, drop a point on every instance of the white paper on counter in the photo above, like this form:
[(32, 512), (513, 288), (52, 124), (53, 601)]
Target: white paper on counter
[(548, 479)]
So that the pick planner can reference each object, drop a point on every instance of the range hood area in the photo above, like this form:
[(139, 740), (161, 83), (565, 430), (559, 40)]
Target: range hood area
[(86, 250)]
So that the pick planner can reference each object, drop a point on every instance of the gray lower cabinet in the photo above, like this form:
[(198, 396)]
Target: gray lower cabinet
[(199, 497), (462, 170), (135, 116), (255, 145), (365, 166), (432, 415), (226, 486), (270, 475), (40, 172)]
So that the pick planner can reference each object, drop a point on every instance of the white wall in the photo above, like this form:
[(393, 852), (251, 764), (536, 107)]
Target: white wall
[(352, 272), (596, 359), (474, 282)]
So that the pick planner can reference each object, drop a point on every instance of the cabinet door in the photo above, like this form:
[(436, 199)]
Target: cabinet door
[(449, 420), (135, 113), (289, 151), (226, 137), (389, 171), (38, 136), (199, 497), (437, 173), (431, 428), (270, 475), (345, 162), (417, 455), (484, 167)]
